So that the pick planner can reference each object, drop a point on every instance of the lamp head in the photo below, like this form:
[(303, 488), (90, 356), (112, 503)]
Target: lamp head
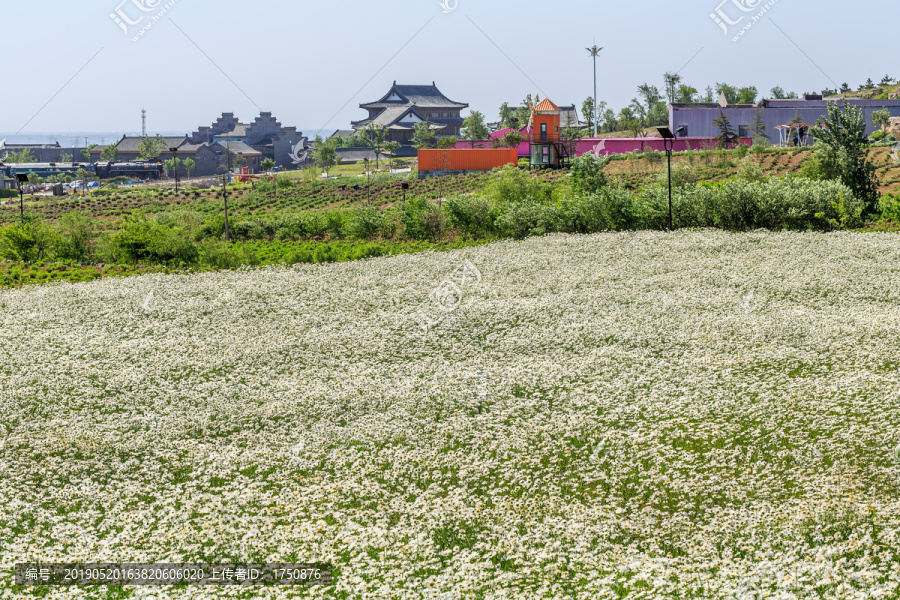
[(665, 132)]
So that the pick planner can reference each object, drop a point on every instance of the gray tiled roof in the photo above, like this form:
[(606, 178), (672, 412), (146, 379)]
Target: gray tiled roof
[(131, 145), (236, 148), (343, 133), (420, 95)]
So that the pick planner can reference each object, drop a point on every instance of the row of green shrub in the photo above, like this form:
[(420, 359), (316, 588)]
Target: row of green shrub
[(515, 204)]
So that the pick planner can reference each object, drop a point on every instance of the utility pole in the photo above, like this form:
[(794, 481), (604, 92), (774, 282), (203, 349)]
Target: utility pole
[(594, 50), (174, 152), (225, 198)]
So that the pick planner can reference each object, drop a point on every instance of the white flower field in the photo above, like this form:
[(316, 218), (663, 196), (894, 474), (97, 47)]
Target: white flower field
[(645, 415)]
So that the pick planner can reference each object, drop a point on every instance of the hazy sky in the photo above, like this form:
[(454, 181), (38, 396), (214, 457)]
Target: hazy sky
[(313, 63)]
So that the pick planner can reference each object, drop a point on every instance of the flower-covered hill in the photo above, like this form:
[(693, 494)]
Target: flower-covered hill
[(698, 414)]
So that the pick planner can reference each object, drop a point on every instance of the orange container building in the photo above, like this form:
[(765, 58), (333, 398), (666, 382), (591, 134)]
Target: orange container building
[(463, 160)]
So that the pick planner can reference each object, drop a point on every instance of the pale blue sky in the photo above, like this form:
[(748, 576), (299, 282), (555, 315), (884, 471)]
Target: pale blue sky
[(305, 60)]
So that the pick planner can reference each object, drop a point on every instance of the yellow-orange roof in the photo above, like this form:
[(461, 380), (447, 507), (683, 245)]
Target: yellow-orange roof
[(545, 106)]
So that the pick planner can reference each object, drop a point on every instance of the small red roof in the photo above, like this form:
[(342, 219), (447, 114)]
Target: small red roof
[(545, 106)]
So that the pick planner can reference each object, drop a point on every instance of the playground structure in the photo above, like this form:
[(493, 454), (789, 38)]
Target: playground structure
[(796, 135)]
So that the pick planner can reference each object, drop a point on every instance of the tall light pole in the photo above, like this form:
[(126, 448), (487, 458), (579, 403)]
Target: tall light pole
[(594, 50), (668, 143), (174, 152)]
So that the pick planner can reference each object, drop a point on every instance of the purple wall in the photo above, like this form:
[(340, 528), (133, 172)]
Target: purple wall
[(606, 146)]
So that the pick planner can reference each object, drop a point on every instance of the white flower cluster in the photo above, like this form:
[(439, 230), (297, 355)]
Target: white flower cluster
[(651, 415)]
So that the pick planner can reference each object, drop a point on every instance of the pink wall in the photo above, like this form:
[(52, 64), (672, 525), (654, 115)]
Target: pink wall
[(606, 146)]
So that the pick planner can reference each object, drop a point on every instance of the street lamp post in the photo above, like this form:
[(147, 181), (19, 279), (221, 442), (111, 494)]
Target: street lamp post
[(669, 143), (20, 179), (174, 152), (368, 198), (594, 50)]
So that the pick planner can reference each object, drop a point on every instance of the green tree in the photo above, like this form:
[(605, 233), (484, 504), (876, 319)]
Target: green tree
[(374, 135), (636, 127), (28, 241), (672, 80), (392, 148), (731, 92), (75, 235), (760, 133), (151, 147), (110, 153), (844, 133), (587, 173), (507, 116), (172, 165), (569, 137), (511, 139), (423, 135), (189, 165), (474, 127), (686, 95), (447, 142), (747, 95), (587, 111), (22, 157), (65, 158), (777, 92), (881, 118), (266, 165), (887, 80), (868, 85), (324, 154), (727, 135), (86, 152)]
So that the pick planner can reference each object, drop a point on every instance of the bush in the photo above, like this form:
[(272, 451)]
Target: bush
[(472, 214), (367, 223), (512, 185), (218, 254), (76, 236), (587, 173)]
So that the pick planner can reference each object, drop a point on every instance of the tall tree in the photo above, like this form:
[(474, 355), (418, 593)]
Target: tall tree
[(887, 80), (708, 95), (508, 117), (747, 94), (110, 153), (151, 147), (777, 92), (672, 82), (423, 135), (760, 132), (22, 157), (374, 137), (324, 154), (392, 148), (587, 111), (844, 134), (86, 152), (189, 165), (727, 135), (474, 128), (731, 92), (881, 118), (686, 94)]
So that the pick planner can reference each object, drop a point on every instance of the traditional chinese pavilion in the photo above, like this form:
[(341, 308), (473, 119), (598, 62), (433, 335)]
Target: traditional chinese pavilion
[(405, 105)]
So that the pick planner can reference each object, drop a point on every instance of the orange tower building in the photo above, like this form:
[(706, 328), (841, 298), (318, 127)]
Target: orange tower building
[(546, 147)]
